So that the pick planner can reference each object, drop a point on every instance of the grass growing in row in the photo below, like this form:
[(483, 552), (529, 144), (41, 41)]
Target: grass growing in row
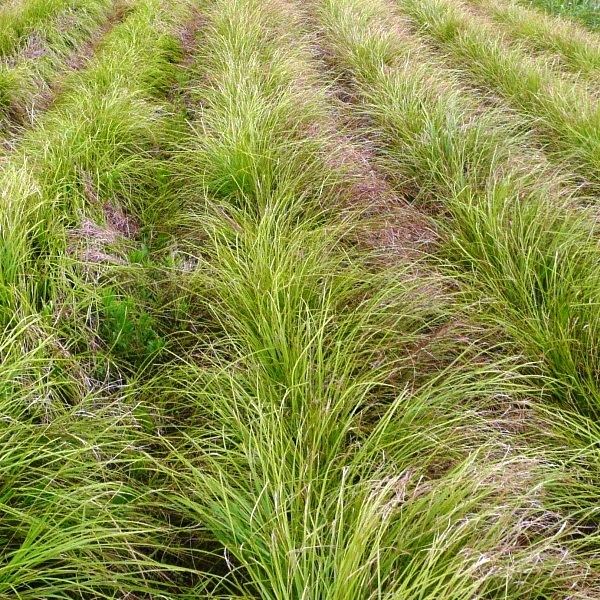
[(530, 85), (209, 388), (27, 76), (531, 260), (76, 515), (584, 11), (21, 18), (462, 156), (308, 447), (577, 49), (67, 167), (82, 516)]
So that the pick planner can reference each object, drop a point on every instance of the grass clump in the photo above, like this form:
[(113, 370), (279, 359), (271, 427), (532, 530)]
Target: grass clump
[(531, 86), (576, 48), (70, 168), (74, 522), (20, 19), (29, 73), (434, 140), (584, 11)]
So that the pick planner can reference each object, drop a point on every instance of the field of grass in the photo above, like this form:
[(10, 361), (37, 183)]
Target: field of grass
[(299, 300), (585, 11)]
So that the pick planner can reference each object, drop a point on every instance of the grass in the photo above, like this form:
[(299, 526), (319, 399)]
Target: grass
[(218, 381), (47, 43), (585, 11), (73, 166), (28, 72), (524, 253), (293, 371), (81, 520), (546, 253), (576, 49), (72, 523), (20, 19), (530, 85)]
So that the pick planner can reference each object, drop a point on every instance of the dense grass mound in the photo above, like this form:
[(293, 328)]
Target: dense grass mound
[(298, 300)]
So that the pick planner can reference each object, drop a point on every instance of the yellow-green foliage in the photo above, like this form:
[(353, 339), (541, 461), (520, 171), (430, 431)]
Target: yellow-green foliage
[(298, 300)]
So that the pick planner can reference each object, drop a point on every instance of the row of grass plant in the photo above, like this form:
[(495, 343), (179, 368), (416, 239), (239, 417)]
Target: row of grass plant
[(583, 11), (309, 442), (78, 488), (576, 48), (530, 85), (27, 76), (96, 144), (21, 18), (513, 237)]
